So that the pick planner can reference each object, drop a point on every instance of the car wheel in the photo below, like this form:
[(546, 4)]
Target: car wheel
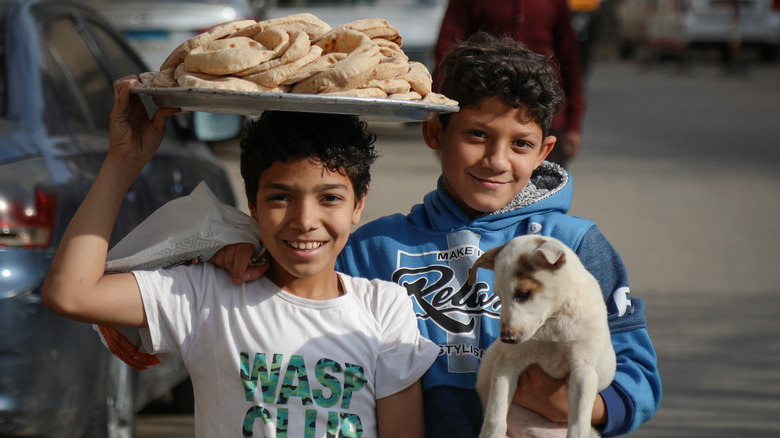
[(114, 412)]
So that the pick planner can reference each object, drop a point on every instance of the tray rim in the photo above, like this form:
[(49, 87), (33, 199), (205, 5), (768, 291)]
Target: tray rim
[(189, 99)]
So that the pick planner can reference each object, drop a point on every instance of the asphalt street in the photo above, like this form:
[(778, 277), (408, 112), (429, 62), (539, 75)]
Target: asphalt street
[(680, 169)]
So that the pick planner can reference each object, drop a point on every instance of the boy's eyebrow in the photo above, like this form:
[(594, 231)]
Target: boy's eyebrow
[(318, 188)]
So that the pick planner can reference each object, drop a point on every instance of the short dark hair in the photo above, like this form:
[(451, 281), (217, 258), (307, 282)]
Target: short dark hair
[(342, 143), (487, 66)]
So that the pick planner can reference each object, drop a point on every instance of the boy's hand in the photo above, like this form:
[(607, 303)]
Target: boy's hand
[(539, 392), (134, 138), (236, 259)]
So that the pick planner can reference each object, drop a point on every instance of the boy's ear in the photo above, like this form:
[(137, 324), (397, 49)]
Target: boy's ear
[(358, 212), (251, 210), (547, 146), (432, 132)]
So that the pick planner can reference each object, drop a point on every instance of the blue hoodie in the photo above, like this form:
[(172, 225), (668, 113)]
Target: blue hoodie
[(430, 252)]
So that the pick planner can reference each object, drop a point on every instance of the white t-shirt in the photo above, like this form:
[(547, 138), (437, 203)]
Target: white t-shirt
[(263, 360)]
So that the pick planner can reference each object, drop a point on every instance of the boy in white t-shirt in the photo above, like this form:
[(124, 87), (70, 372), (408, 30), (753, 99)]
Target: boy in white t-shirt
[(307, 351)]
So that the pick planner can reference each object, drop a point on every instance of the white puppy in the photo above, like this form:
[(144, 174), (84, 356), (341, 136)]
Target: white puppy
[(552, 314)]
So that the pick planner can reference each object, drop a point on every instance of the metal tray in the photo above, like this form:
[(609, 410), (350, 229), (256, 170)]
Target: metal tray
[(254, 103)]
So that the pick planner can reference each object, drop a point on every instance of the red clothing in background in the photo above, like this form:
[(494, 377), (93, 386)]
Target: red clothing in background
[(544, 26)]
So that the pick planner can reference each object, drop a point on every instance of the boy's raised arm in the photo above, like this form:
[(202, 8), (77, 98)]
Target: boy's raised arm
[(76, 286)]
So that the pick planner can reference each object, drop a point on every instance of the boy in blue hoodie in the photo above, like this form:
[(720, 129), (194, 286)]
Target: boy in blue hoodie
[(495, 185)]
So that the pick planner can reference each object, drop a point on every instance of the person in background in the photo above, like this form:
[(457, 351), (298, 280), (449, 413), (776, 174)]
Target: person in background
[(545, 27)]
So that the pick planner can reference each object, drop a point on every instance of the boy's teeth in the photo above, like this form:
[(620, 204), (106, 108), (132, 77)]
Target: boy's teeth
[(305, 245)]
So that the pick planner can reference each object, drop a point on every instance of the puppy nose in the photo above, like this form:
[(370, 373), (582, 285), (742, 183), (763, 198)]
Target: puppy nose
[(508, 337)]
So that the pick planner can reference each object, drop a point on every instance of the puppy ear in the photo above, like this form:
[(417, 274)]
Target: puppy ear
[(486, 260), (549, 255)]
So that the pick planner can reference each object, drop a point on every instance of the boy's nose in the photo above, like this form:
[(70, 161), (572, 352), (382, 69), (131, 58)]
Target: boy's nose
[(495, 157), (305, 216)]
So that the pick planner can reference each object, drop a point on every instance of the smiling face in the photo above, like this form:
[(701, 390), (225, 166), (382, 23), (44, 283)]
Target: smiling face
[(305, 214), (488, 152)]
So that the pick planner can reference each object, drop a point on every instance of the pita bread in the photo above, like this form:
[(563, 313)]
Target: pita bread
[(296, 49), (275, 76), (196, 80), (439, 99), (419, 78), (371, 27), (390, 68), (411, 95), (343, 40), (359, 92), (219, 31), (390, 86), (274, 39), (389, 48), (349, 73), (320, 64), (304, 22), (226, 56)]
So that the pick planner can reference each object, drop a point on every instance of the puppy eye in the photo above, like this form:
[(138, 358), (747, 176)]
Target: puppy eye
[(522, 296)]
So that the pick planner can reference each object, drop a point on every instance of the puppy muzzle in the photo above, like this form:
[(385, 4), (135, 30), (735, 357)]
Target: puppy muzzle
[(508, 337)]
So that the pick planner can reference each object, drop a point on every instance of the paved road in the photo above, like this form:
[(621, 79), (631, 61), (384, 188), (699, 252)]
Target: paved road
[(681, 172)]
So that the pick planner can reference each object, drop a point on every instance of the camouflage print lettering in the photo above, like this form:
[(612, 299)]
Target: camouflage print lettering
[(282, 422), (296, 368), (311, 424), (354, 380), (328, 381), (253, 414), (268, 380), (344, 425)]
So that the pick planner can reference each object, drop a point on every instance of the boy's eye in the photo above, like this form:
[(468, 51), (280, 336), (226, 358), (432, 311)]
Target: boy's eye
[(521, 144), (331, 198), (278, 197), (477, 133)]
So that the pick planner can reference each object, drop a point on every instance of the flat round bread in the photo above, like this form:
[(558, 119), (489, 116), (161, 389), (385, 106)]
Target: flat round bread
[(359, 92), (304, 22), (274, 39), (390, 86), (297, 48), (196, 80), (390, 68), (345, 41), (371, 27), (419, 78), (219, 31), (226, 56), (320, 64), (439, 99), (275, 76), (411, 95), (349, 73)]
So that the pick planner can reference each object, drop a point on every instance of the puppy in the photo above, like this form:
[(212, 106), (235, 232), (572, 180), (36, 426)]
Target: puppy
[(552, 314)]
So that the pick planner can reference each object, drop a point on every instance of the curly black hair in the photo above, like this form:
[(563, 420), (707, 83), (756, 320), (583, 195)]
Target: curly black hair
[(342, 143), (487, 66)]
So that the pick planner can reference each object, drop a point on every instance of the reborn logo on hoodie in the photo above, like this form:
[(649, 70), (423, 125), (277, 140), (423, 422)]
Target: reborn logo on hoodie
[(437, 283)]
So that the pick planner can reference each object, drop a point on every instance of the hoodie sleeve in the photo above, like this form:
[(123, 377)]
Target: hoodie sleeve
[(635, 394)]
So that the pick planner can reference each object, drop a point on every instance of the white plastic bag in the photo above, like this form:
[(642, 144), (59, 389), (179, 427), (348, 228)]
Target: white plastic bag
[(190, 229)]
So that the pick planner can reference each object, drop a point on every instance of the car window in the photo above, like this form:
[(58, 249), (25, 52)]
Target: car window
[(80, 70), (122, 62)]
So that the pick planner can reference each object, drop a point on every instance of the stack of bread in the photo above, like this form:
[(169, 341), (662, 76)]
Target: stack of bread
[(299, 54)]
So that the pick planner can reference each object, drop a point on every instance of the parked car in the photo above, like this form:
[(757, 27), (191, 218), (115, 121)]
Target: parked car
[(417, 21), (58, 59), (694, 24)]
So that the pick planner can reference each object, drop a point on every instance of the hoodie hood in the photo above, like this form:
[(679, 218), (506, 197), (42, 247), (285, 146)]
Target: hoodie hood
[(549, 189)]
